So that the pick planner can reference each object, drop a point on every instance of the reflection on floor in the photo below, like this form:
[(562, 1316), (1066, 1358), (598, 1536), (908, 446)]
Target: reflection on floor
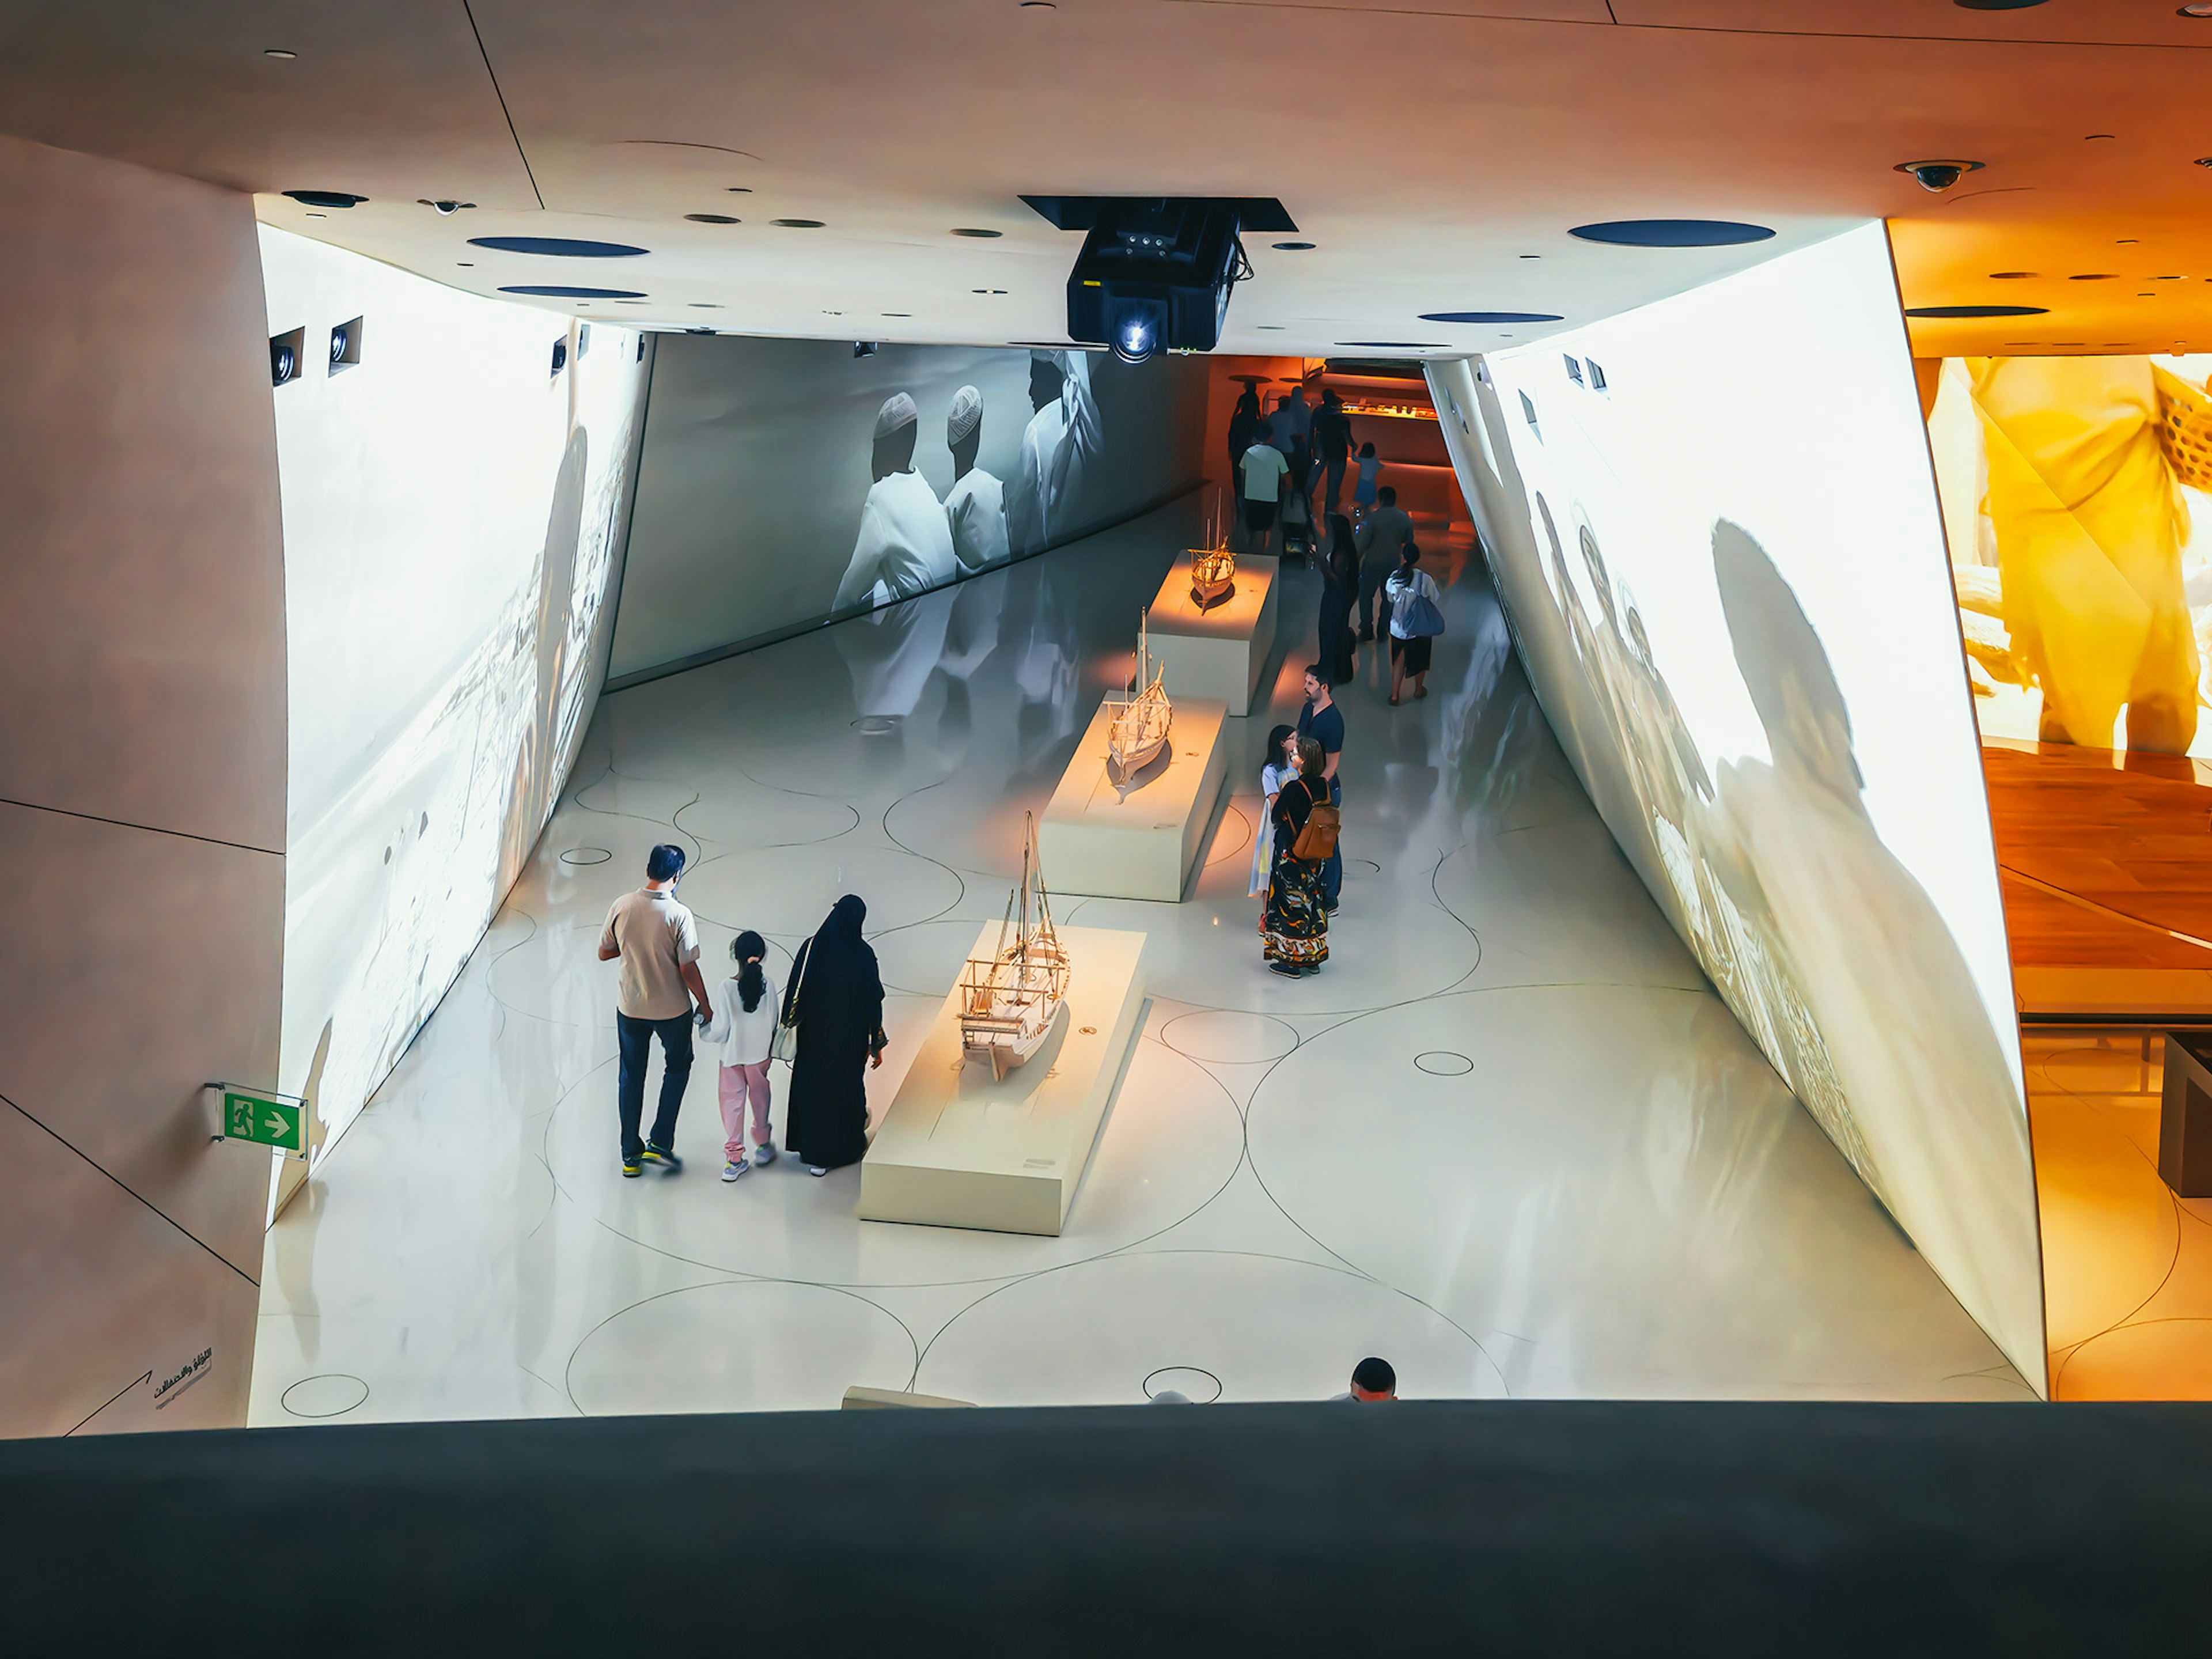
[(2106, 863), (2127, 1264), (1509, 1138)]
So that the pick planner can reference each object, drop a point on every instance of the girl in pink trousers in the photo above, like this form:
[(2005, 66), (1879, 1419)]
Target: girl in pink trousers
[(745, 1006)]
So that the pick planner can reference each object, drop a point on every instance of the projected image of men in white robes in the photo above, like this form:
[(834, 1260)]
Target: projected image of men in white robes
[(905, 544)]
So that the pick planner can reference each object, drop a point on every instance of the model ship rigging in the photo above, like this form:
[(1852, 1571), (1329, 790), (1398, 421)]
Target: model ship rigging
[(1137, 724), (1009, 999), (1212, 569)]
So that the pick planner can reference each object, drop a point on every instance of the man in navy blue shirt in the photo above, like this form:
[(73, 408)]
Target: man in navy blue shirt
[(1323, 721)]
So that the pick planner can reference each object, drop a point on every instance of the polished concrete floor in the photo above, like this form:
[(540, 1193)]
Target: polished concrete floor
[(1509, 1138), (2127, 1261)]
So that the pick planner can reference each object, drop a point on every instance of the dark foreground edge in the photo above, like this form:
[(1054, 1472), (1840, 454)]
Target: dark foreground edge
[(1527, 1527)]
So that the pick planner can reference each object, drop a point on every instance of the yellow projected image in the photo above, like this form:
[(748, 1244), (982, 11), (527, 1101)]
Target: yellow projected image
[(2066, 486)]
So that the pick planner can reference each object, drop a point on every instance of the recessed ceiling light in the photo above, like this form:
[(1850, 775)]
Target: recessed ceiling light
[(1672, 233), (2091, 137), (741, 190), (1977, 311), (319, 215), (277, 52), (325, 199), (2167, 279), (797, 224), (558, 247), (712, 219), (1995, 5), (465, 265), (2009, 276), (1292, 247), (1039, 5), (1490, 317), (704, 304), (1531, 256), (998, 290), (2146, 294), (898, 314), (1269, 328), (2204, 160), (2200, 9), (2095, 276), (562, 291), (975, 230)]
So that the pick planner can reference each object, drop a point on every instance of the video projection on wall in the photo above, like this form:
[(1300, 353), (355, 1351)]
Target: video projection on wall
[(454, 500), (2074, 491), (1714, 526), (785, 481)]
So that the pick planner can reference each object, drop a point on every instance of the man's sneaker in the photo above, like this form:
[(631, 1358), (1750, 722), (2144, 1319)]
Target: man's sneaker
[(816, 1170), (660, 1155), (632, 1168), (765, 1152), (731, 1171)]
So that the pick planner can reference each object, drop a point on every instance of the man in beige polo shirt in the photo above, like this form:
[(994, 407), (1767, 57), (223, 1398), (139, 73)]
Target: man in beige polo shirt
[(657, 942)]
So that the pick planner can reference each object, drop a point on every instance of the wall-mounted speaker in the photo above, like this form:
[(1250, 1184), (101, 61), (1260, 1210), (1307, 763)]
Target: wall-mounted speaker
[(285, 363), (345, 346)]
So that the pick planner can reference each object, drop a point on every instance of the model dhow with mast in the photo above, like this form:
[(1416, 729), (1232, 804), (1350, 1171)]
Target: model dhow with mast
[(1009, 1000), (1137, 724), (1212, 567)]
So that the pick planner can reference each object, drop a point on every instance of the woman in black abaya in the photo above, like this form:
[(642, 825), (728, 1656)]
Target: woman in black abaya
[(837, 999)]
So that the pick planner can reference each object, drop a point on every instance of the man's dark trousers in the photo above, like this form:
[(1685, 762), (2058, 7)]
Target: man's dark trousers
[(636, 1038)]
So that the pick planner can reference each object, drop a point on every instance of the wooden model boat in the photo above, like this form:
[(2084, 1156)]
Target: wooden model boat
[(1009, 999), (1137, 727), (1212, 570)]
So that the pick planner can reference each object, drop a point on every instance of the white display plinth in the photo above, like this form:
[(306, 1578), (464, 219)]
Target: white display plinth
[(1220, 651), (1141, 842), (958, 1150)]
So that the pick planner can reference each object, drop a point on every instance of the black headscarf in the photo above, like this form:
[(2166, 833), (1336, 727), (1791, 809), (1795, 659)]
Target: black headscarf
[(836, 974)]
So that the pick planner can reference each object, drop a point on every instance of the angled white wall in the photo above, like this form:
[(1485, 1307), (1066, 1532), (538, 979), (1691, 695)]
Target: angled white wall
[(454, 505), (1714, 524), (142, 790)]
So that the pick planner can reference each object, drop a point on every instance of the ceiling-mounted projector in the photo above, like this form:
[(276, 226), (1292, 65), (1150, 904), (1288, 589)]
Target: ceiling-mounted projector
[(1155, 271)]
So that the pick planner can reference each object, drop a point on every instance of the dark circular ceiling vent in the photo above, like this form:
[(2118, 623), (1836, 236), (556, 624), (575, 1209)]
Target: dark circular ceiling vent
[(1672, 233), (326, 198), (1977, 311), (1490, 317), (564, 247), (556, 291)]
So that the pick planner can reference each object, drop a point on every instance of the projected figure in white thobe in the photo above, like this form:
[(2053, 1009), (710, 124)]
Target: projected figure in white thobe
[(905, 544), (976, 507), (1063, 439)]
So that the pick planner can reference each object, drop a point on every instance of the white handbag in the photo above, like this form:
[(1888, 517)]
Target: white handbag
[(784, 1046)]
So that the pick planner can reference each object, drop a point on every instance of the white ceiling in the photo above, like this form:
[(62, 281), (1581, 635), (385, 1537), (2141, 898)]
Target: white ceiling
[(1426, 148)]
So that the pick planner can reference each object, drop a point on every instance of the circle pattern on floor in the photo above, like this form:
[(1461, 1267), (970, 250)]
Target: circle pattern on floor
[(1441, 1062), (1229, 1038), (333, 1393), (739, 1346), (1200, 1388), (576, 855)]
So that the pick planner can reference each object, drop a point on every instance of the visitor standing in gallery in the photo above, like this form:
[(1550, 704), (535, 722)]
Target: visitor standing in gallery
[(1339, 572), (1416, 616), (1382, 534), (835, 1004), (1278, 768), (1364, 487), (657, 941), (1264, 470), (1294, 926), (1244, 424), (744, 1024), (1322, 721), (1332, 433)]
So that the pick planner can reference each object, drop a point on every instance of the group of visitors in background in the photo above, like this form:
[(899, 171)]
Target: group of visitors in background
[(1279, 458), (829, 1024)]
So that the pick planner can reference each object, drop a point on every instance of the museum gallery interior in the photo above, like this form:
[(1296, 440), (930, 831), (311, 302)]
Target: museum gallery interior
[(744, 739)]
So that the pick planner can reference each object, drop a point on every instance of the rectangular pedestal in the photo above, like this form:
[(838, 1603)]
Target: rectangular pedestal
[(958, 1150), (1141, 843), (1220, 651)]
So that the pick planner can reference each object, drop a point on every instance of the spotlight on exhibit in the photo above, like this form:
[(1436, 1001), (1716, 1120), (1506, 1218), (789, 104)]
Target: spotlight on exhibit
[(1155, 272)]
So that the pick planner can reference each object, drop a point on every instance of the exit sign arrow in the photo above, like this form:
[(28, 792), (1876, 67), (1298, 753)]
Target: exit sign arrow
[(263, 1122)]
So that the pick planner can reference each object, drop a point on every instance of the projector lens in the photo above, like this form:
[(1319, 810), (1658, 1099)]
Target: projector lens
[(1135, 340)]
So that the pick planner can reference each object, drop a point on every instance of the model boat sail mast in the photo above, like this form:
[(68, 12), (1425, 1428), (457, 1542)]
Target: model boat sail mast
[(1009, 1000), (1212, 567), (1137, 727)]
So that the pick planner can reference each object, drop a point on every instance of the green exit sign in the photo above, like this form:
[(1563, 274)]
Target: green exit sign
[(264, 1122)]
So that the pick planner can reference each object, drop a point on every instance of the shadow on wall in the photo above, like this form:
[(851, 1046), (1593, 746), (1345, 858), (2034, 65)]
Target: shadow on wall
[(1747, 800)]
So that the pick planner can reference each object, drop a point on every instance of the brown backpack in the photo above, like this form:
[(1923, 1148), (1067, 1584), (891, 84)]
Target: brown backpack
[(1318, 839)]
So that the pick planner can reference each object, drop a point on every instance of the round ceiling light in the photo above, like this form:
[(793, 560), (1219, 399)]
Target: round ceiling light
[(1977, 311), (1995, 5), (1292, 247), (325, 199), (2094, 277), (975, 230), (2200, 10), (277, 52), (559, 247), (1672, 233), (1490, 317), (712, 219), (556, 291), (2009, 276), (797, 224)]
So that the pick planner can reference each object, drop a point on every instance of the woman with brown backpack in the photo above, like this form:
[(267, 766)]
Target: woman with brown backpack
[(1294, 926)]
